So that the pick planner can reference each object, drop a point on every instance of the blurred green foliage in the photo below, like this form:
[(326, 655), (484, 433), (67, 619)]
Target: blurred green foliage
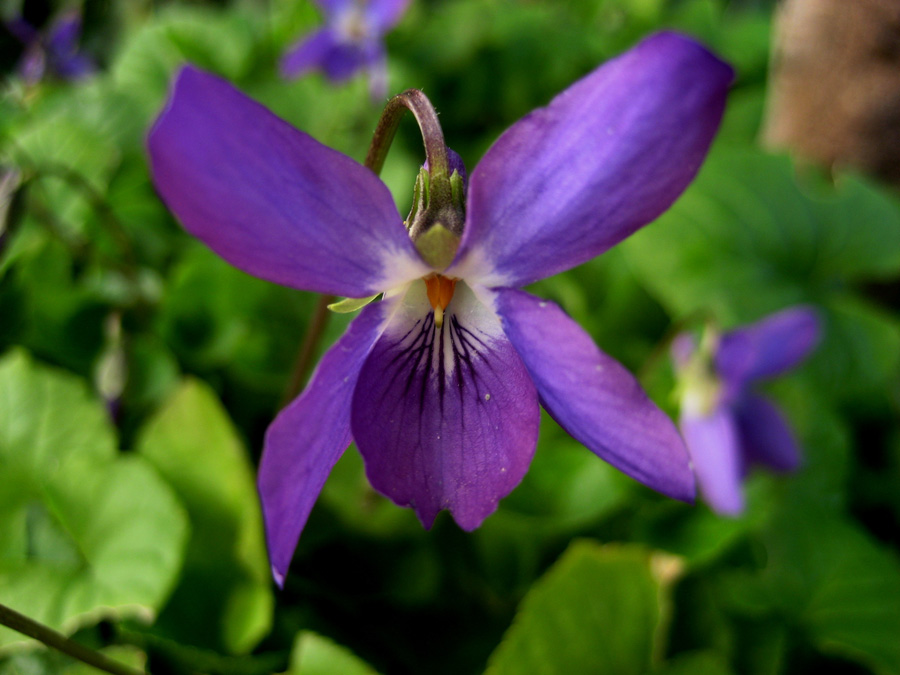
[(138, 373)]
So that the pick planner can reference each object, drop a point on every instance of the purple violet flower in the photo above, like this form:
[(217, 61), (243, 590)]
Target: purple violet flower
[(352, 40), (55, 52), (439, 383), (727, 426)]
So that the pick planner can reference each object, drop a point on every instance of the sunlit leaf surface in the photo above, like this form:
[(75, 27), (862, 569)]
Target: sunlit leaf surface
[(84, 533)]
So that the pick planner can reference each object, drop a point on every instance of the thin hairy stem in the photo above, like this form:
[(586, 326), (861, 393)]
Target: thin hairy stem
[(306, 355), (432, 136), (21, 623)]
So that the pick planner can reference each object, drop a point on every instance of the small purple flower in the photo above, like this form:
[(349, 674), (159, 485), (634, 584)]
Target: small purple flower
[(55, 51), (439, 383), (350, 41), (727, 426)]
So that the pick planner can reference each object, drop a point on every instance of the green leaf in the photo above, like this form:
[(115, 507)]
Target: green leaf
[(84, 533), (49, 662), (830, 579), (317, 655), (61, 320), (597, 610), (826, 447), (749, 238), (695, 663), (695, 532), (214, 40), (216, 316), (225, 595), (566, 487), (352, 499)]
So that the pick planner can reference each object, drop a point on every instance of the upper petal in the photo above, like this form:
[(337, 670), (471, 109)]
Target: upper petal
[(445, 417), (308, 53), (23, 31), (327, 51), (308, 437), (714, 446), (272, 200), (346, 59), (607, 156), (765, 435), (384, 14), (65, 33), (593, 397), (768, 347), (332, 7)]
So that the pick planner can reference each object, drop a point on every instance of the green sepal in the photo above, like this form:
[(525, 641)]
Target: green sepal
[(348, 305), (437, 246), (699, 388), (458, 191), (420, 197)]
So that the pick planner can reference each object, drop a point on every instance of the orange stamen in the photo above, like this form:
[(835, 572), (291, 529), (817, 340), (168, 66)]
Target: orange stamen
[(440, 293)]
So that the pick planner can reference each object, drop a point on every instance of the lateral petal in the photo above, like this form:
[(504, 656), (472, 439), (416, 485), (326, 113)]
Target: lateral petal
[(593, 397), (272, 200), (308, 53), (346, 59), (769, 347), (445, 417), (308, 437), (333, 7), (765, 434), (715, 450), (384, 14), (607, 156)]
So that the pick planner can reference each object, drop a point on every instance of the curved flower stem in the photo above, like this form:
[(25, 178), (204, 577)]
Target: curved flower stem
[(307, 352), (432, 135), (21, 623)]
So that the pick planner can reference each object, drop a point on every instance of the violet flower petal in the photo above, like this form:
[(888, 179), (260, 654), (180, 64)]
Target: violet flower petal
[(74, 67), (324, 50), (332, 7), (346, 59), (378, 76), (272, 200), (683, 348), (607, 156), (714, 446), (63, 53), (445, 418), (23, 31), (308, 437), (593, 397), (766, 437), (769, 347), (308, 53), (385, 14), (64, 34), (33, 64), (454, 163)]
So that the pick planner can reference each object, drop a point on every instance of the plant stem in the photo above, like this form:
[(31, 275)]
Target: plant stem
[(307, 353), (432, 136), (21, 623), (199, 660)]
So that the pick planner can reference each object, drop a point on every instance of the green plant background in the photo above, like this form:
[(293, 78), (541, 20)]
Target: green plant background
[(140, 533)]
